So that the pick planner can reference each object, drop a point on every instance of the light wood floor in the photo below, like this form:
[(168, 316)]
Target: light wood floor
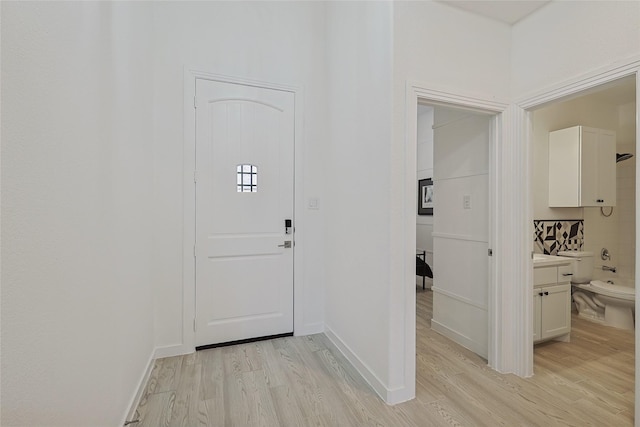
[(304, 381)]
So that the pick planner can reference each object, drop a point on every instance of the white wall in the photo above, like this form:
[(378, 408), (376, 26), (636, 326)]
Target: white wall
[(424, 223), (276, 42), (77, 330), (566, 39), (439, 45), (357, 194), (461, 235)]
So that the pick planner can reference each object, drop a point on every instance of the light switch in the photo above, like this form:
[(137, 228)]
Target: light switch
[(466, 201), (313, 203)]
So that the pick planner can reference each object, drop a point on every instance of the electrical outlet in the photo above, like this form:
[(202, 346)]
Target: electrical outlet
[(466, 201)]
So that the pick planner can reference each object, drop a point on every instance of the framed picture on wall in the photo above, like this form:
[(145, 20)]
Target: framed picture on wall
[(425, 197)]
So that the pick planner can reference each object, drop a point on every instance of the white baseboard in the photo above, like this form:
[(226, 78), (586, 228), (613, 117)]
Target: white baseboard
[(310, 329), (158, 353), (390, 397), (142, 384), (458, 338), (171, 350), (399, 395)]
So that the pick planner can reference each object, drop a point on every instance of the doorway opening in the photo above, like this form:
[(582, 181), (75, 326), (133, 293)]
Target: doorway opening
[(421, 95), (605, 234), (452, 222)]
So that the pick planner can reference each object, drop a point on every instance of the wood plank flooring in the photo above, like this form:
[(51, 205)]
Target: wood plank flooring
[(304, 381)]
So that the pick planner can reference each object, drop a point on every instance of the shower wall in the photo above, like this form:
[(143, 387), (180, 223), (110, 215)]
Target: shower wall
[(626, 189)]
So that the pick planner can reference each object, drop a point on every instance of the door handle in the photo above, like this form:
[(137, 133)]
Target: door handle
[(286, 244)]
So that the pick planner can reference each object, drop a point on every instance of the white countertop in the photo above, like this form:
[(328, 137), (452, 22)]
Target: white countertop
[(540, 260)]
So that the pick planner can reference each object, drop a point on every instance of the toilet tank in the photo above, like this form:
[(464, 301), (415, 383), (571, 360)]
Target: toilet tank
[(582, 265)]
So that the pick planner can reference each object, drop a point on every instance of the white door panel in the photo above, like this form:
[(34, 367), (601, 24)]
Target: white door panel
[(230, 246), (461, 218), (244, 277)]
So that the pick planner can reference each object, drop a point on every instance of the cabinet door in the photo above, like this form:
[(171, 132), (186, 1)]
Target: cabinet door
[(607, 167), (582, 167), (537, 298), (564, 167), (555, 312), (589, 152)]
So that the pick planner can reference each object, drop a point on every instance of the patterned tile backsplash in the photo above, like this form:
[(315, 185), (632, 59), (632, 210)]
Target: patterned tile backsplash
[(551, 236)]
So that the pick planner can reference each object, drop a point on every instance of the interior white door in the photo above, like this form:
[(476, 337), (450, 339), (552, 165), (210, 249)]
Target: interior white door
[(461, 219), (244, 194)]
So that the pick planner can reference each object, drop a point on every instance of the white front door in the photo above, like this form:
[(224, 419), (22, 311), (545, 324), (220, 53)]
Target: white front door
[(244, 195)]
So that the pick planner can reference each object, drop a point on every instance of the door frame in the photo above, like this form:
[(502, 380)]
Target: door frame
[(523, 121), (191, 74), (499, 357)]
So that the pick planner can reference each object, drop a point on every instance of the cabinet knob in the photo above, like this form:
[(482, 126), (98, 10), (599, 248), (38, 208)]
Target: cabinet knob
[(546, 293), (540, 293), (600, 200)]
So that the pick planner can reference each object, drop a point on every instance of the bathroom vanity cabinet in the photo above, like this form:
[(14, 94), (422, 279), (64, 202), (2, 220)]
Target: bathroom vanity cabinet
[(582, 167), (552, 301)]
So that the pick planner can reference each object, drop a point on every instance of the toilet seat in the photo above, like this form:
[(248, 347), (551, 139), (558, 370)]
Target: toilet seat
[(615, 291)]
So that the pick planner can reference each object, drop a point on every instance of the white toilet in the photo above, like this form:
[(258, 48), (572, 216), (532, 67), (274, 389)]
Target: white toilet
[(602, 302)]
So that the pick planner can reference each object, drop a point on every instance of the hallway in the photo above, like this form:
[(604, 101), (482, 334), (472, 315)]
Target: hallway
[(304, 381)]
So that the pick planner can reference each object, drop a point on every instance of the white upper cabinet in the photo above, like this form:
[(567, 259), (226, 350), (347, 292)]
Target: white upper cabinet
[(582, 167)]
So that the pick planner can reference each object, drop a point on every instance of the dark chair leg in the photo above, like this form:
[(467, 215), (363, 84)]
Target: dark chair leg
[(424, 258)]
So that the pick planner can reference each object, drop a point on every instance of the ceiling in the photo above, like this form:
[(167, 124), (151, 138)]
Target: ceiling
[(507, 11)]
